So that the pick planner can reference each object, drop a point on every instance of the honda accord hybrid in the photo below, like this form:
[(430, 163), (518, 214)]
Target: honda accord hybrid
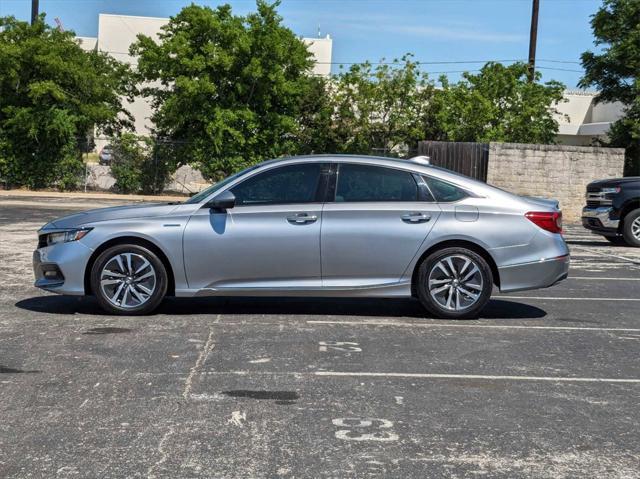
[(324, 225)]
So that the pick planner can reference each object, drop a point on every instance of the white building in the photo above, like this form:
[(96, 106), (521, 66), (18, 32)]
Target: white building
[(581, 119), (117, 32)]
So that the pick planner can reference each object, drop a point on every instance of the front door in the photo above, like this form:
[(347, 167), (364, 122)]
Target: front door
[(374, 227), (270, 239)]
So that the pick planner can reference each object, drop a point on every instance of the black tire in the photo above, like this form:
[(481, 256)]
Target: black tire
[(152, 301), (429, 266), (631, 221), (616, 240)]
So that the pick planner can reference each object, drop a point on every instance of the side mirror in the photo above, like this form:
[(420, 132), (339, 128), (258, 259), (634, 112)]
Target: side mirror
[(222, 202)]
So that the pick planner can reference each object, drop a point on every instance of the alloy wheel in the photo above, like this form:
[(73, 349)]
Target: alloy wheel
[(455, 282), (128, 280)]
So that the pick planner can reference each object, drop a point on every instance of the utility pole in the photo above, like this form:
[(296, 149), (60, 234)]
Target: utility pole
[(34, 11), (533, 38)]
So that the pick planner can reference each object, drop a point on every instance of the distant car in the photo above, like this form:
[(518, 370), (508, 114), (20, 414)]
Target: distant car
[(106, 155), (613, 209), (326, 225)]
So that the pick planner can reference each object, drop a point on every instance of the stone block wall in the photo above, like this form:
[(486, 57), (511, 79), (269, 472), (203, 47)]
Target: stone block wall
[(552, 171), (186, 180)]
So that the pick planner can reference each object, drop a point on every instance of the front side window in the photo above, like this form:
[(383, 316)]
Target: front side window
[(357, 183), (444, 192), (283, 185), (204, 194)]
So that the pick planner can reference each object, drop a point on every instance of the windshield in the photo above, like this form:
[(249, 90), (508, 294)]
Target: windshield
[(198, 197)]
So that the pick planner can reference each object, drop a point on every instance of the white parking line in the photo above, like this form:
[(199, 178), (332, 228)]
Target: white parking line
[(601, 278), (562, 298), (476, 376), (600, 253), (365, 374), (489, 326)]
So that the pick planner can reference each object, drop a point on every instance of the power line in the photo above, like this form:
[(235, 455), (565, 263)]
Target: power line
[(452, 62), (460, 62), (561, 61), (560, 69), (457, 62)]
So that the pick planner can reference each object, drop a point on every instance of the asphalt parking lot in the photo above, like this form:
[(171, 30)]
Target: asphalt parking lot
[(545, 384)]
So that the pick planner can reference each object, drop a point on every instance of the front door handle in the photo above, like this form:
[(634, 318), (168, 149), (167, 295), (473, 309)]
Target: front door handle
[(415, 217), (302, 219)]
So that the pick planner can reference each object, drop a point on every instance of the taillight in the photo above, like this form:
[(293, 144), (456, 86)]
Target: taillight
[(547, 220)]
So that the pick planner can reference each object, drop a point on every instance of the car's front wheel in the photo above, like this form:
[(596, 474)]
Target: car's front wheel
[(454, 283), (631, 228), (129, 279)]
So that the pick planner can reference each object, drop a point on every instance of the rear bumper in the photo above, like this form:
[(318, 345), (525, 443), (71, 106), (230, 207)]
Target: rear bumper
[(535, 275), (601, 219)]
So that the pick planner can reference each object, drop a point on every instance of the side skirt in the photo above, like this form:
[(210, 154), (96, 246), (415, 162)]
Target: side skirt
[(395, 290)]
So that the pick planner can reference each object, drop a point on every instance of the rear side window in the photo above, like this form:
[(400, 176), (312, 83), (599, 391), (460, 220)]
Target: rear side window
[(444, 192), (357, 183), (284, 185)]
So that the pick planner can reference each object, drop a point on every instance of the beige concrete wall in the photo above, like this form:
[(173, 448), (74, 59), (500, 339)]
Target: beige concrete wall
[(552, 171)]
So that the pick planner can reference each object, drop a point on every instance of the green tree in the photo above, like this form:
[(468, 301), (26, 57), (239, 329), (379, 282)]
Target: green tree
[(499, 104), (315, 132), (383, 109), (51, 94), (615, 71), (226, 88)]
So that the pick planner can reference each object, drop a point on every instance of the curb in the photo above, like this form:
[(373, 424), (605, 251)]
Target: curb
[(79, 195)]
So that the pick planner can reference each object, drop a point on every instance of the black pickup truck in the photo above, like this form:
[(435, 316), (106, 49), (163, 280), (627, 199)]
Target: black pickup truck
[(613, 209)]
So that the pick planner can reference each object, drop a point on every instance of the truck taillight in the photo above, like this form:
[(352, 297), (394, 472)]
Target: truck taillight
[(547, 220)]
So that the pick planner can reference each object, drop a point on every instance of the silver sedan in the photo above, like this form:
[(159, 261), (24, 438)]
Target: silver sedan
[(325, 225)]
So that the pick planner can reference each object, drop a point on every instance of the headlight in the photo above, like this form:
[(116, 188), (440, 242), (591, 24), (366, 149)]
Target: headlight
[(65, 236), (610, 190)]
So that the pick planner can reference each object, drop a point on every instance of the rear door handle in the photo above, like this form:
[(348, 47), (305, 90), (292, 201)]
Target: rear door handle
[(302, 219), (415, 217)]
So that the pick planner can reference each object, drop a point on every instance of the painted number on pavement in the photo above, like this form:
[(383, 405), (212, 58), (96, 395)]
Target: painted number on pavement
[(365, 429)]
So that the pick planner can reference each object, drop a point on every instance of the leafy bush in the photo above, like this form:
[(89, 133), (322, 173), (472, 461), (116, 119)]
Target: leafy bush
[(140, 164)]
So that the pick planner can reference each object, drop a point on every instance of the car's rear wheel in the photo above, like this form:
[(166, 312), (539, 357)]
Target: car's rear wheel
[(631, 228), (128, 279), (454, 283)]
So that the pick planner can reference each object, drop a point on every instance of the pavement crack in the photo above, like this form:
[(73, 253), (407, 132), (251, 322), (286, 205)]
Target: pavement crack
[(202, 357), (164, 455)]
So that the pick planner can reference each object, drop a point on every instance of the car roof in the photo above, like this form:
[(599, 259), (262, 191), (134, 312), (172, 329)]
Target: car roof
[(344, 158), (408, 164)]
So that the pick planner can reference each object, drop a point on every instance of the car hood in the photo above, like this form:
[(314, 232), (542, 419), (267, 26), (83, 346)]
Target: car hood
[(143, 210), (613, 182), (542, 201)]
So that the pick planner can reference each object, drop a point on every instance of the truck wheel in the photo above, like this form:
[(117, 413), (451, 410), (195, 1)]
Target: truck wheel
[(631, 228)]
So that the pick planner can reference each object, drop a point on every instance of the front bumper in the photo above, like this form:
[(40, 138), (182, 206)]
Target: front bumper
[(534, 275), (600, 219), (68, 260)]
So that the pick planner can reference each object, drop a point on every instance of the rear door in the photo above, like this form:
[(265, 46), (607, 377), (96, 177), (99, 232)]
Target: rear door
[(373, 225)]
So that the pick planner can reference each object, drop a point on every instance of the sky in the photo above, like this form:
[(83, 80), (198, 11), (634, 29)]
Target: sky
[(438, 31)]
